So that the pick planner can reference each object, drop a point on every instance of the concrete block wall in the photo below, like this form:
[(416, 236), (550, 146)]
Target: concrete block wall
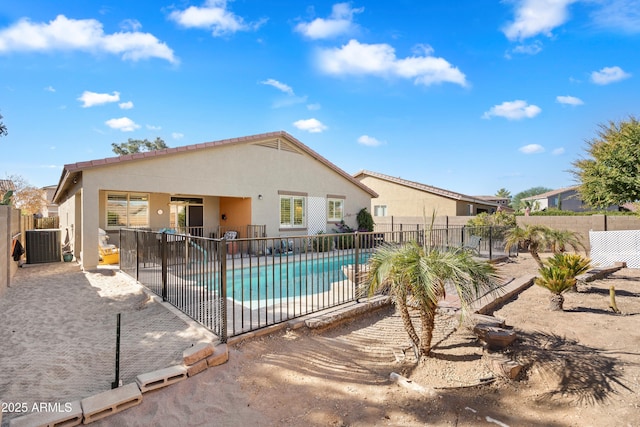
[(9, 227), (580, 224), (583, 224)]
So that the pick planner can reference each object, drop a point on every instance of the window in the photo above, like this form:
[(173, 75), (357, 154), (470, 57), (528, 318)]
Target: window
[(335, 210), (127, 210), (292, 211), (380, 210)]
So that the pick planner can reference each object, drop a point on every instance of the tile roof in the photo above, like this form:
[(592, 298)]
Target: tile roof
[(424, 187), (551, 193)]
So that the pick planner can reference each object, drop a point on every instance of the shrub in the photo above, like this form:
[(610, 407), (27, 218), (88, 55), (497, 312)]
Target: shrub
[(322, 243), (365, 220)]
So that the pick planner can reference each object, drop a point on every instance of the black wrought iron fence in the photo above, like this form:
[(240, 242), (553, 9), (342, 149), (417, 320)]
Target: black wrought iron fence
[(236, 286)]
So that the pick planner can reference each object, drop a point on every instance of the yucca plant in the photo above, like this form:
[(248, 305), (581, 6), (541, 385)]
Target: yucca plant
[(557, 280)]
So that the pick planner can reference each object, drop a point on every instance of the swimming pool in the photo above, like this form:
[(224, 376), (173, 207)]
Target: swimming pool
[(299, 278)]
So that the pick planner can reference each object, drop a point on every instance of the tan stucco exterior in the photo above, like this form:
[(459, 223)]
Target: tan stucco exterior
[(240, 178), (409, 199)]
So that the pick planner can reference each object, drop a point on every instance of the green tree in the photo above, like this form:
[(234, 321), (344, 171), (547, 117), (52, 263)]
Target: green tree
[(3, 128), (534, 191), (137, 146), (610, 174), (503, 192), (416, 275)]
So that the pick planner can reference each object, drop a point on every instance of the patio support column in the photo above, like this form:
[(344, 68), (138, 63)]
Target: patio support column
[(90, 224)]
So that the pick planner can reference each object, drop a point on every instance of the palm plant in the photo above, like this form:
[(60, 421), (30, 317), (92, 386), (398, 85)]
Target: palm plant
[(558, 281), (575, 263), (418, 275), (558, 240), (533, 237), (558, 275)]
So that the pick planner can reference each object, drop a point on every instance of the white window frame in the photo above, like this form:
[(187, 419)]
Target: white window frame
[(293, 197), (128, 197), (378, 208), (333, 200)]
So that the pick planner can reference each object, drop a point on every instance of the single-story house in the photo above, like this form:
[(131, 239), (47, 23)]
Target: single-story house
[(400, 197), (502, 202), (271, 182), (566, 199)]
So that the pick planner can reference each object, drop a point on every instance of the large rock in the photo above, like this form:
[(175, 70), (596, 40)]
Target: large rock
[(495, 338)]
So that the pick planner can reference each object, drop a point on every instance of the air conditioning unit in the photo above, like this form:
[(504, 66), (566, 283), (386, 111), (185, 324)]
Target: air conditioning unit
[(43, 246)]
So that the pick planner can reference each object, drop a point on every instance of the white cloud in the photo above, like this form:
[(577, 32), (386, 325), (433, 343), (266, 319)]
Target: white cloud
[(380, 60), (558, 151), (339, 22), (513, 110), (310, 125), (569, 100), (527, 49), (533, 17), (531, 149), (278, 85), (177, 135), (152, 127), (130, 25), (89, 99), (213, 16), (126, 105), (81, 34), (369, 141), (313, 107), (619, 15), (50, 89), (609, 75), (124, 124)]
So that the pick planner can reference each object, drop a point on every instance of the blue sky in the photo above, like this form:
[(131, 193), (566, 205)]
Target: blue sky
[(471, 96)]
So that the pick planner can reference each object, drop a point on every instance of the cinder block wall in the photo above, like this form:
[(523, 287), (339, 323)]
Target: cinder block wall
[(580, 224), (583, 224), (9, 227), (5, 247)]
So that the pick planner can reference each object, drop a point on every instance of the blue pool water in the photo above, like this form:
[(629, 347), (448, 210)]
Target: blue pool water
[(287, 279)]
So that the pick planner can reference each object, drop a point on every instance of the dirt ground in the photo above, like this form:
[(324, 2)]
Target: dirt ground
[(581, 367)]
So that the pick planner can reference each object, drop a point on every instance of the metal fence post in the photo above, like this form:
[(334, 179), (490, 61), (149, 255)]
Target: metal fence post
[(222, 250), (116, 382), (356, 266), (490, 243), (135, 234), (163, 254)]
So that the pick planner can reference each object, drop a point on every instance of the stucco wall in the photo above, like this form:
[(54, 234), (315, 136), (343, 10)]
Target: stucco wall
[(407, 202)]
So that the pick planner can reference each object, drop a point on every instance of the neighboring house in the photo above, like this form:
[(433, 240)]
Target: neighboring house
[(502, 202), (270, 180), (50, 209), (566, 199), (400, 197)]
